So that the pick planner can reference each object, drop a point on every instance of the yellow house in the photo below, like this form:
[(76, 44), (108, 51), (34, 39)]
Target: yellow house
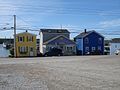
[(25, 44)]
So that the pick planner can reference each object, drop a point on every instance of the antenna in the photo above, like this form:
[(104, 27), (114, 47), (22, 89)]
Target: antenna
[(61, 26)]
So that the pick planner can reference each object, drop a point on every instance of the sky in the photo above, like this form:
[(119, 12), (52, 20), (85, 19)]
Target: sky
[(102, 16)]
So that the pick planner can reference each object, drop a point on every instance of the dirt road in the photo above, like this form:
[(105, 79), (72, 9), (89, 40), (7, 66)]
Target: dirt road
[(60, 73)]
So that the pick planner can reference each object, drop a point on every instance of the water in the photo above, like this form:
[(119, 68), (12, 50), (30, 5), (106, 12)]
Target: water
[(3, 51)]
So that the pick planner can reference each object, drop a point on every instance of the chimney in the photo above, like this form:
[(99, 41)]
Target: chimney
[(85, 30)]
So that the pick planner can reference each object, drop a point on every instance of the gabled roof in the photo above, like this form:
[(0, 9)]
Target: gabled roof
[(54, 30), (25, 33), (115, 40), (84, 34), (57, 37)]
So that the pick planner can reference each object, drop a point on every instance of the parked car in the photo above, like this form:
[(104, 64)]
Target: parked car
[(54, 52), (117, 52)]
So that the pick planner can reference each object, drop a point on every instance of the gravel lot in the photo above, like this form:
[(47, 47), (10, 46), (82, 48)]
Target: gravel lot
[(60, 73)]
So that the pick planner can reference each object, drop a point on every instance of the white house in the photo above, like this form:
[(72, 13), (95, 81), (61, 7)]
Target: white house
[(114, 46), (57, 38)]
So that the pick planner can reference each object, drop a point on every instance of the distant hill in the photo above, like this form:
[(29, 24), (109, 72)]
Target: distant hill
[(10, 40), (6, 40)]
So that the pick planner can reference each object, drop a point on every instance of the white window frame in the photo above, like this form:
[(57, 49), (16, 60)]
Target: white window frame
[(20, 39), (23, 49), (31, 49), (93, 49), (99, 48), (69, 48), (100, 40), (86, 49), (30, 38)]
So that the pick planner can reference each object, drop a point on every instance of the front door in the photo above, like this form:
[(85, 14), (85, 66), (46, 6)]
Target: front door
[(62, 47), (31, 51)]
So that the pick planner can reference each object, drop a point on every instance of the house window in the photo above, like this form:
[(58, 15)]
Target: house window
[(86, 40), (22, 49), (61, 47), (69, 48), (30, 38), (31, 49), (100, 40), (21, 39), (93, 49), (99, 47), (86, 49)]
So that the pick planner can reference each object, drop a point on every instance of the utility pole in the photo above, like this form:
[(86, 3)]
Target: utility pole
[(15, 53)]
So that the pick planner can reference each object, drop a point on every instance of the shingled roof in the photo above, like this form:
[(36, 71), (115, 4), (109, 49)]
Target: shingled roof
[(115, 40), (85, 33), (57, 37), (54, 30), (25, 33)]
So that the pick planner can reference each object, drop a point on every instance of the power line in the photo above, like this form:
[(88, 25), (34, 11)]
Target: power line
[(72, 29), (22, 29)]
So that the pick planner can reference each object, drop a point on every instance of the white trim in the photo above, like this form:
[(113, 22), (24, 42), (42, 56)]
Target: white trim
[(99, 48), (93, 49), (87, 49), (41, 42), (21, 38)]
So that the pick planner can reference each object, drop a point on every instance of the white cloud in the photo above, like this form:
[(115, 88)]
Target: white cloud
[(110, 23), (7, 8), (10, 7), (30, 11)]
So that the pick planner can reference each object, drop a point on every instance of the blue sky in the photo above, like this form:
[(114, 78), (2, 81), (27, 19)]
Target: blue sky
[(74, 15)]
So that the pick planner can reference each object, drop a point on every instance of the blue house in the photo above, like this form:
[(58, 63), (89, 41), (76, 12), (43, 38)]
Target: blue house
[(89, 42)]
